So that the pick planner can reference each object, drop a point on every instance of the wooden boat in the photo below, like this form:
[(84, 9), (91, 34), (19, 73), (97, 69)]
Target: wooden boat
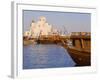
[(50, 39), (80, 50)]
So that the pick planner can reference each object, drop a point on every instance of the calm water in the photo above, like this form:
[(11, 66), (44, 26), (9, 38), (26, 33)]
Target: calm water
[(46, 56)]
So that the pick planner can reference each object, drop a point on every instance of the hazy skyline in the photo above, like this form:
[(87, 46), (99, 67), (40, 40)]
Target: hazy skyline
[(74, 22)]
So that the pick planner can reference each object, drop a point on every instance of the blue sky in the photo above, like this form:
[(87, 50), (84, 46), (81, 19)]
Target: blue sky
[(73, 22)]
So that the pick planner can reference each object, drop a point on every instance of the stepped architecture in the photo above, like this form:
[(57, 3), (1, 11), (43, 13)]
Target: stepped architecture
[(41, 27)]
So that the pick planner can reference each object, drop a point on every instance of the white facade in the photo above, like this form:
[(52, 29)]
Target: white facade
[(40, 27)]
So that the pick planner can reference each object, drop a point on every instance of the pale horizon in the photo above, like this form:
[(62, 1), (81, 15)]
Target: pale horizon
[(73, 22)]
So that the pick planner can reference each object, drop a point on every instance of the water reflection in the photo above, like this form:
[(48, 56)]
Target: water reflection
[(46, 56)]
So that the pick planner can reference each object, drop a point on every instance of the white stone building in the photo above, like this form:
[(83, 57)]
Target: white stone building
[(40, 27)]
